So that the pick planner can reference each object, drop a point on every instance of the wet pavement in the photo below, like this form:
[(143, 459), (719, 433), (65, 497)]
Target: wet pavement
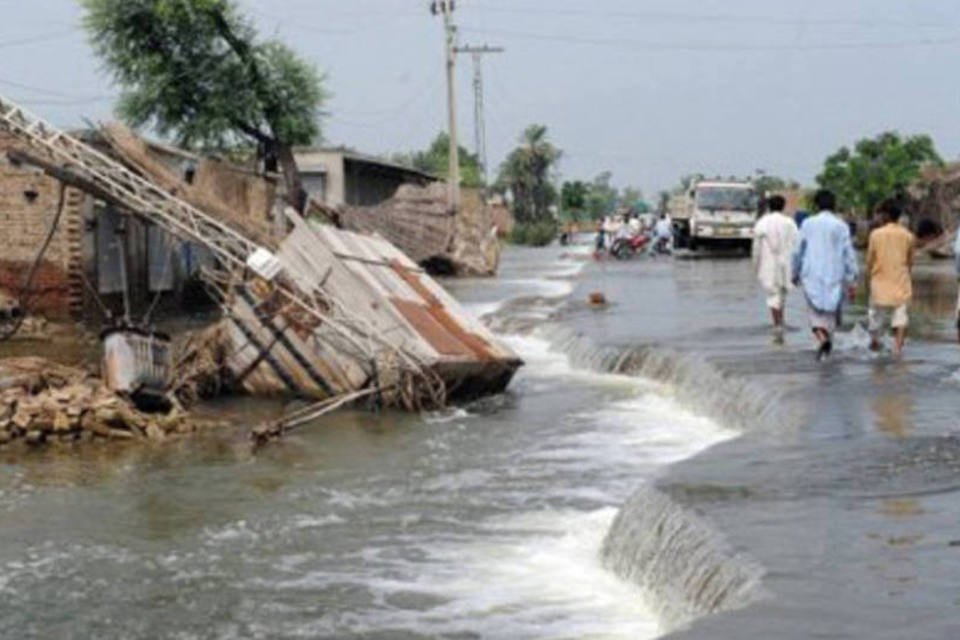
[(849, 499)]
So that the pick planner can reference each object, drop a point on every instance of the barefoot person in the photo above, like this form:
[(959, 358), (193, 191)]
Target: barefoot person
[(889, 261), (822, 264), (774, 241)]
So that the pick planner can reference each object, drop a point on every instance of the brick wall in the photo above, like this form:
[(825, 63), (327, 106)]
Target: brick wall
[(28, 203)]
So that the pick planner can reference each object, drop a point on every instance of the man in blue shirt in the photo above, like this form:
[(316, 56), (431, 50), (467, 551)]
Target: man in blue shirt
[(823, 263)]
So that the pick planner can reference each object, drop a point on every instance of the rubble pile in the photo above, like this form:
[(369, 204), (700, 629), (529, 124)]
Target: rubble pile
[(45, 403), (934, 197)]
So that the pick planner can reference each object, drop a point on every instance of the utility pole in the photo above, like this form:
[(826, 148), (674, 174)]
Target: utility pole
[(446, 8), (479, 123)]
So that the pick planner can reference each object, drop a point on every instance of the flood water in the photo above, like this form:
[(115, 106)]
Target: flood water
[(489, 521), (483, 521)]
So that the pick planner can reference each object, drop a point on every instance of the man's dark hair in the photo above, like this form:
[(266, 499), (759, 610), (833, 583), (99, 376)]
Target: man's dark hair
[(776, 203), (825, 200), (891, 209)]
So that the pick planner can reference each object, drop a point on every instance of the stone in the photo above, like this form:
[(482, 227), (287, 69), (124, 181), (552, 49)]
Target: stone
[(155, 433), (62, 422), (22, 418)]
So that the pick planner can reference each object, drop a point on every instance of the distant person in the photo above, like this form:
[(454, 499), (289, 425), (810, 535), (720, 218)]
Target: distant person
[(662, 235), (823, 263), (774, 241), (800, 216), (889, 262), (600, 241)]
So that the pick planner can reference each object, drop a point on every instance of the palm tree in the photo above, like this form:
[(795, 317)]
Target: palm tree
[(526, 174)]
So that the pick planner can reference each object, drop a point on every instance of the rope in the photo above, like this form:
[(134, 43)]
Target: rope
[(27, 292)]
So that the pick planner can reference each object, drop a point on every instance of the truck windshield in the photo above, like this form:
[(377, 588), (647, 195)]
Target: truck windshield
[(726, 199)]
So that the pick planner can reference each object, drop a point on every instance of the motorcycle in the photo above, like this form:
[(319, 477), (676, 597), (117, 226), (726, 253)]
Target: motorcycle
[(625, 248)]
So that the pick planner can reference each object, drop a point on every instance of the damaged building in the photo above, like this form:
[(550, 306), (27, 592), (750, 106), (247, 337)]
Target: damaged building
[(96, 253), (306, 309)]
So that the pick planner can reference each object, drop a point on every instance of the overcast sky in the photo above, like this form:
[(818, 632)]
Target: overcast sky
[(648, 89)]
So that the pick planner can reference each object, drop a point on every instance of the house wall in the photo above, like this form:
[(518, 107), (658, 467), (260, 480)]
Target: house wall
[(330, 164), (367, 184), (28, 205)]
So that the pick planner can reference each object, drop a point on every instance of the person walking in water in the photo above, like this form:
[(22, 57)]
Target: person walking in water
[(774, 241), (889, 261), (823, 263)]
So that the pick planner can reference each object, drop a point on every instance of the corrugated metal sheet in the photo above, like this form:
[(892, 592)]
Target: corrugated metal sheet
[(372, 287)]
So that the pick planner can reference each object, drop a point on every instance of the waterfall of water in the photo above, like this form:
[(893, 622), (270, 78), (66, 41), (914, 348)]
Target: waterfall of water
[(678, 559), (730, 401), (673, 554)]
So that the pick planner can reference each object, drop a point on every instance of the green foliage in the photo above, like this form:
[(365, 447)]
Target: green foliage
[(573, 198), (526, 174), (632, 198), (602, 199), (534, 234), (876, 169), (194, 70), (598, 198), (436, 160)]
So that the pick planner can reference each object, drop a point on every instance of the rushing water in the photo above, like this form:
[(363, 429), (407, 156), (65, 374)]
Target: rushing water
[(485, 521)]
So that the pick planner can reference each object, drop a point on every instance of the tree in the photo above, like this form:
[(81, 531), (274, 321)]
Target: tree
[(436, 160), (876, 169), (602, 200), (194, 70), (573, 197), (632, 198), (526, 174)]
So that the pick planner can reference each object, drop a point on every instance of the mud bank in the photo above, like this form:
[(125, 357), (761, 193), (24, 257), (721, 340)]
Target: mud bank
[(833, 514)]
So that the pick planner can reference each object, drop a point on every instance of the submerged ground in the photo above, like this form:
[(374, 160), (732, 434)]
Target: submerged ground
[(843, 490), (822, 497)]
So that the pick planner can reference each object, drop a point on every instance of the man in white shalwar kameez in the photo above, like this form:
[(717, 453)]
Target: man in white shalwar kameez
[(774, 241)]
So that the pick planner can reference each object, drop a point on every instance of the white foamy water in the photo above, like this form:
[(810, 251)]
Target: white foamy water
[(536, 573)]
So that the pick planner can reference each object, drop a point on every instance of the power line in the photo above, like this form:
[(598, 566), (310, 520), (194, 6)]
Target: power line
[(43, 37), (700, 46), (49, 92), (665, 16)]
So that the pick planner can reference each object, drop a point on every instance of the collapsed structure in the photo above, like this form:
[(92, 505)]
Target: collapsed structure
[(321, 312), (933, 204)]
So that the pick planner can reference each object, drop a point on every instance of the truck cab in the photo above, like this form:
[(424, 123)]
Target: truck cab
[(716, 213)]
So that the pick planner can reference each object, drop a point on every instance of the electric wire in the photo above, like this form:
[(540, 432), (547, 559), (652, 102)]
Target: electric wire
[(27, 292)]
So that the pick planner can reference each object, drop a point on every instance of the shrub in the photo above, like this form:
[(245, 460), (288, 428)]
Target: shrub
[(534, 234)]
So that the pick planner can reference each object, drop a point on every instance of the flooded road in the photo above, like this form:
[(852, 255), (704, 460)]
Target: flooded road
[(485, 521), (654, 461)]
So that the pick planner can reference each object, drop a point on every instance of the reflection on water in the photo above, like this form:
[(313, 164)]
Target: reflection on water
[(901, 508), (893, 414)]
